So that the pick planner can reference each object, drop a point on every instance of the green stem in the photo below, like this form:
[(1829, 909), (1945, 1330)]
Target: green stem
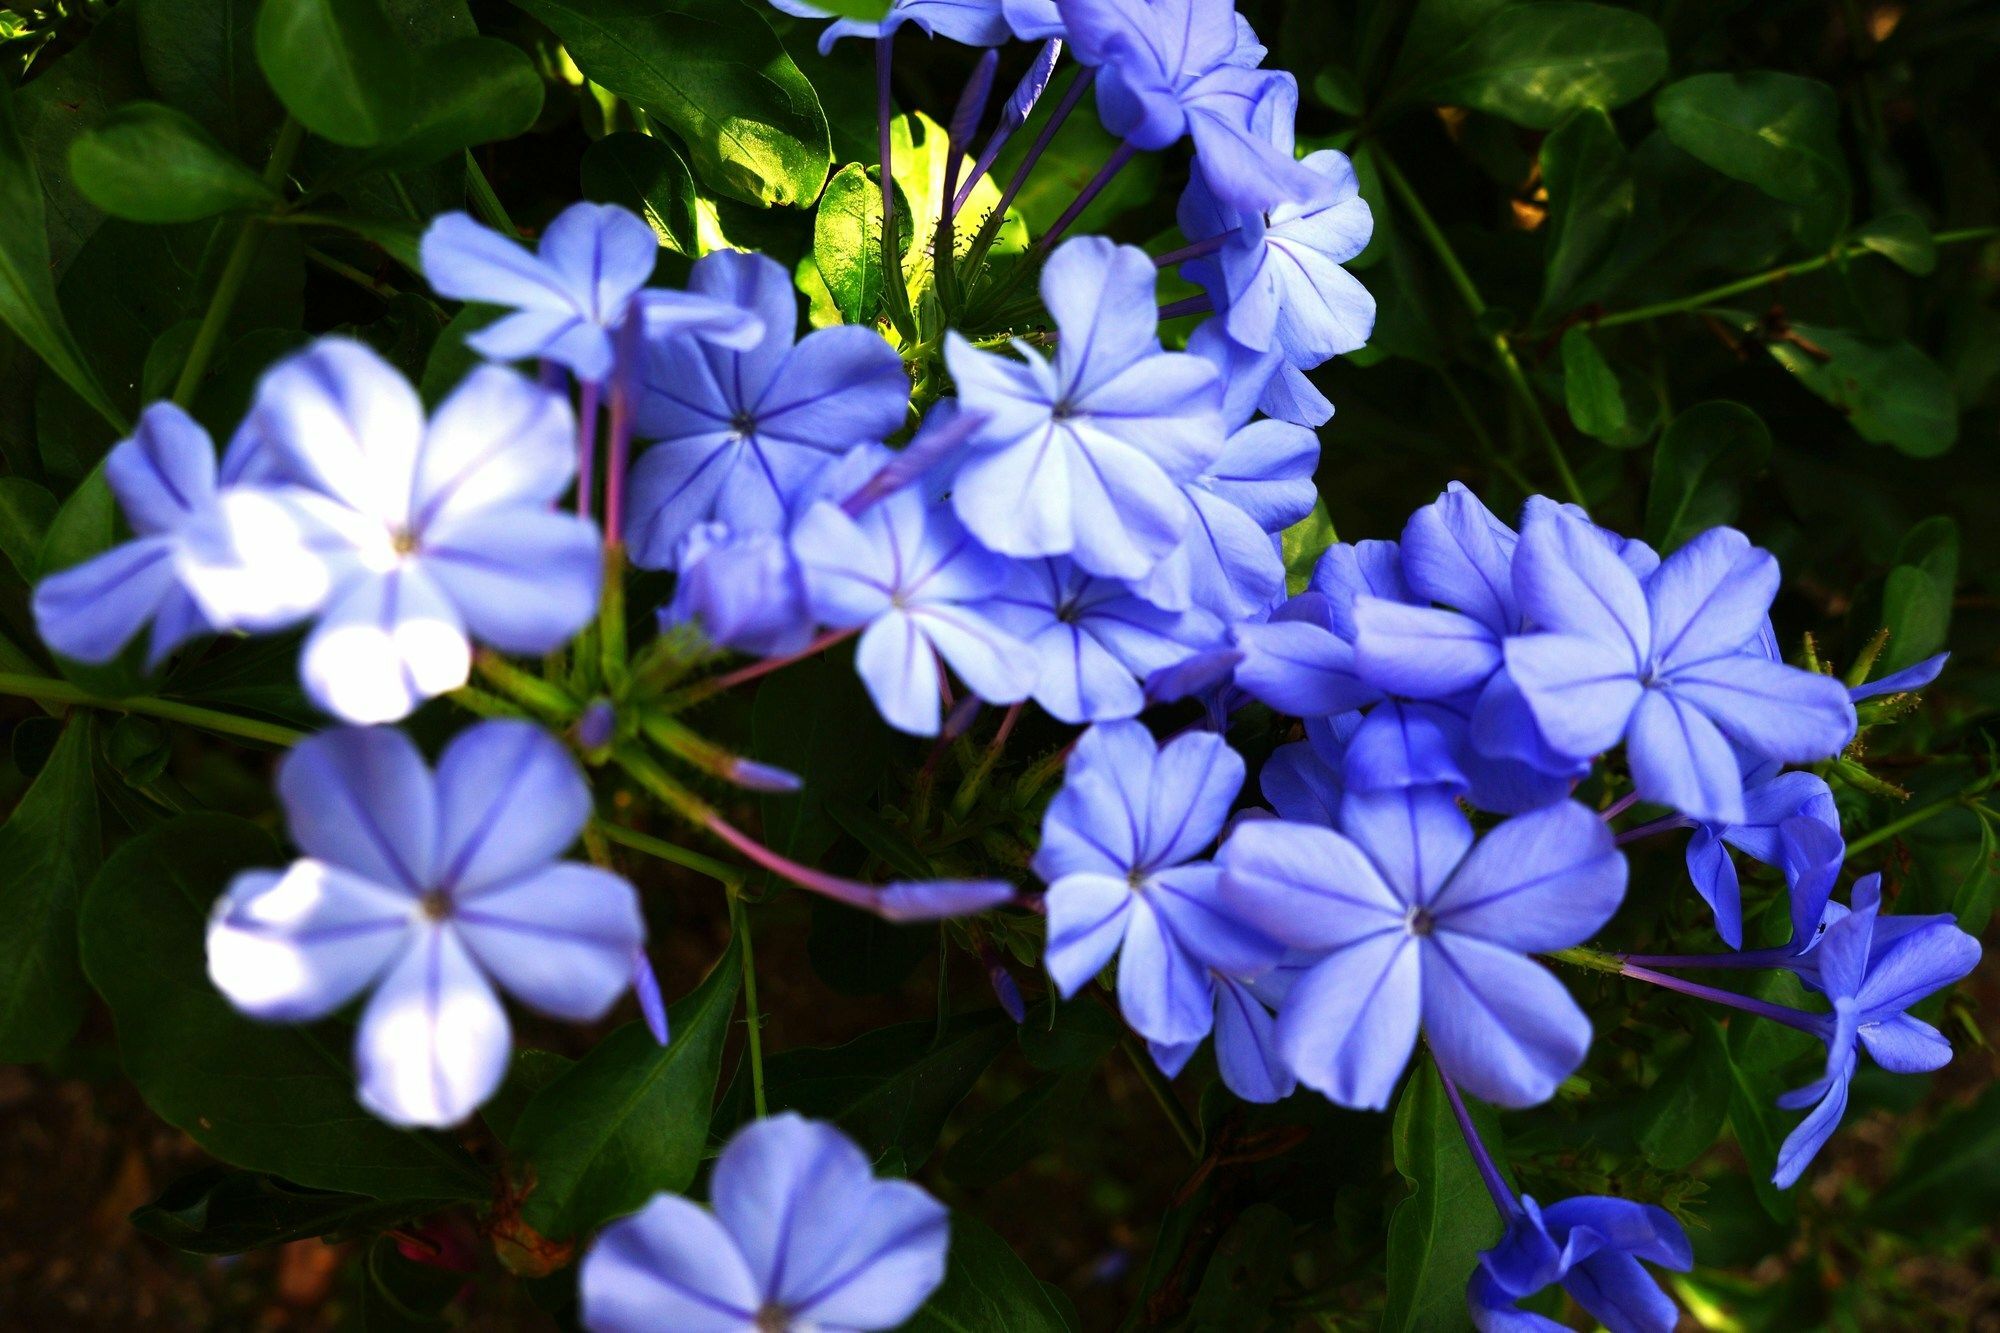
[(1510, 365), (1590, 959), (739, 924), (1691, 304), (342, 269), (726, 875), (235, 270), (48, 690), (1163, 1093), (1921, 814), (485, 201)]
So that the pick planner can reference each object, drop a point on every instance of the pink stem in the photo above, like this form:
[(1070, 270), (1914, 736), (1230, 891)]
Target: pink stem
[(731, 679), (586, 446)]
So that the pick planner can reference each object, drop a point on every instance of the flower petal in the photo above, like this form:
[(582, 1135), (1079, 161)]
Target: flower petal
[(389, 643), (1679, 759), (1501, 1025), (1540, 881), (1305, 886), (560, 939), (296, 946), (672, 1265), (499, 439), (510, 800), (1349, 1024), (434, 1041), (361, 799)]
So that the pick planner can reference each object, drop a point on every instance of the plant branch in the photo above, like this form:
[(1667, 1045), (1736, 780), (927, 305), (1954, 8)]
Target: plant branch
[(49, 690)]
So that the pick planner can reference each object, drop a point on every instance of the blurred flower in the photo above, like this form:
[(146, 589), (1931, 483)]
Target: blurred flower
[(1592, 1246)]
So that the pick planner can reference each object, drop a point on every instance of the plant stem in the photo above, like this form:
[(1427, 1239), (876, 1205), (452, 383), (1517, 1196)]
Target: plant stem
[(48, 690), (715, 685), (1195, 249), (1120, 156), (235, 270), (739, 924), (1665, 824), (1777, 1013), (1163, 1093), (1688, 304), (686, 858), (1918, 816), (1200, 304), (586, 445), (1510, 365)]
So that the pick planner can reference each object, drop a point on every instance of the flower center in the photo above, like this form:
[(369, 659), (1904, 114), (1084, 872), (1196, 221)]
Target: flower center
[(1420, 922), (1064, 410), (773, 1319), (435, 905), (403, 541), (743, 424)]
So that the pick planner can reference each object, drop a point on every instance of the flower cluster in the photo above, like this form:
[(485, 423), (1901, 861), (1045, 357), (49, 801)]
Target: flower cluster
[(1088, 519)]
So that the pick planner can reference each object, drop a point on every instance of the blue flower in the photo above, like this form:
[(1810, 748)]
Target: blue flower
[(798, 1234), (1593, 1246), (968, 22), (1169, 69), (1872, 971), (923, 588), (1301, 661), (1415, 925), (744, 590), (406, 539), (1277, 278), (1771, 802), (572, 296), (1086, 457), (1260, 484), (165, 480), (1909, 678), (1304, 780), (430, 891), (1119, 843), (1669, 664), (1246, 1045), (1035, 20), (741, 434), (1093, 641)]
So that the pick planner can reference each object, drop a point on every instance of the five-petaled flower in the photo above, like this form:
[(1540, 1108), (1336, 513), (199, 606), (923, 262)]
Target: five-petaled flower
[(431, 890), (1591, 1245), (798, 1235)]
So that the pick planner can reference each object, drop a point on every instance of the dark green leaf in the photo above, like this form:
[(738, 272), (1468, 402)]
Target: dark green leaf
[(27, 292), (714, 73), (815, 720), (1756, 1120), (858, 953), (1014, 1133), (891, 1089), (644, 174), (1972, 900), (1068, 1035), (1949, 1181), (1437, 1232), (1778, 132), (1917, 595), (1903, 240), (986, 1289), (1684, 1111), (219, 1210), (1588, 177), (1303, 543), (1597, 401), (1534, 64), (200, 57), (847, 242), (48, 852), (628, 1120), (267, 1097), (866, 10), (1699, 466), (1890, 392), (151, 163), (26, 510), (1244, 1274)]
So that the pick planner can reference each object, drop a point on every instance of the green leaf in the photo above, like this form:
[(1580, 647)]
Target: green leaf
[(1917, 595), (219, 1210), (1949, 1179), (1595, 397), (644, 174), (200, 57), (858, 953), (1303, 543), (345, 71), (628, 1120), (714, 73), (868, 11), (1685, 1109), (1534, 64), (1754, 1116), (1017, 1131), (151, 163), (847, 242), (48, 852), (27, 292), (267, 1097), (1588, 176), (26, 510), (1972, 899), (1778, 132), (815, 720), (890, 1089), (1437, 1232), (1903, 240), (338, 65), (986, 1289), (1890, 392), (1244, 1274), (1699, 466)]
